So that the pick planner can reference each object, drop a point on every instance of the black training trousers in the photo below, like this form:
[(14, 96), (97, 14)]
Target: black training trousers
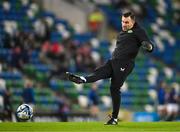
[(117, 70)]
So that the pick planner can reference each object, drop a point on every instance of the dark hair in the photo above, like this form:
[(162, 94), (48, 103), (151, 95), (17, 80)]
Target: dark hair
[(127, 14)]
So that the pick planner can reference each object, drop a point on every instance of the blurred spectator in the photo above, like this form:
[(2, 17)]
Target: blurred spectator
[(7, 105), (161, 92), (7, 41), (2, 84), (2, 89), (172, 104), (79, 63), (5, 102), (19, 57), (84, 60), (55, 54), (95, 21), (55, 50), (176, 6), (63, 106), (18, 39), (94, 100), (45, 47), (51, 50), (28, 94), (29, 42), (44, 52)]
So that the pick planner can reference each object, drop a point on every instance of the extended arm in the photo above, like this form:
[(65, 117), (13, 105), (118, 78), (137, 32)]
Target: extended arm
[(144, 40)]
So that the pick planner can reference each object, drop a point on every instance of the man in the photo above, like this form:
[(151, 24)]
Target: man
[(172, 106), (129, 40)]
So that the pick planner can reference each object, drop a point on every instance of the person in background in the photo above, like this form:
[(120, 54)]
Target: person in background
[(95, 21), (161, 93), (172, 104), (8, 110), (5, 102), (63, 106), (28, 93), (93, 100)]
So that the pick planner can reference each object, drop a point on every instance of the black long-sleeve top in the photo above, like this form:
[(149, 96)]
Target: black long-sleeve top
[(129, 42)]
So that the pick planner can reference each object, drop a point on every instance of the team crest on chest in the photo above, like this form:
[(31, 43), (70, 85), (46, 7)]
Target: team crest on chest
[(130, 31)]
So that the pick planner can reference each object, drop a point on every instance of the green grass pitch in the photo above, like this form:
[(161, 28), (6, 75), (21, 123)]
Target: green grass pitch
[(90, 127)]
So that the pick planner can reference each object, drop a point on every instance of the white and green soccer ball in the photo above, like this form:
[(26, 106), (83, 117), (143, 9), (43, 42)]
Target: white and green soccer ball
[(24, 112)]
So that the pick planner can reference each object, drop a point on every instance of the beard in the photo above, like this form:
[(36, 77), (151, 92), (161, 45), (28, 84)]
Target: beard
[(124, 28)]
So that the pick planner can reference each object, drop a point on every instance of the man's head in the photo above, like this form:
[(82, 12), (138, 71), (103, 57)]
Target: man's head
[(128, 20)]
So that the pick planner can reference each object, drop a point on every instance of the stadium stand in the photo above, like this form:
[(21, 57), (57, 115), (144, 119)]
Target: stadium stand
[(35, 44)]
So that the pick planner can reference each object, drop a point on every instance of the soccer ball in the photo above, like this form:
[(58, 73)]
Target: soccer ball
[(24, 112)]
